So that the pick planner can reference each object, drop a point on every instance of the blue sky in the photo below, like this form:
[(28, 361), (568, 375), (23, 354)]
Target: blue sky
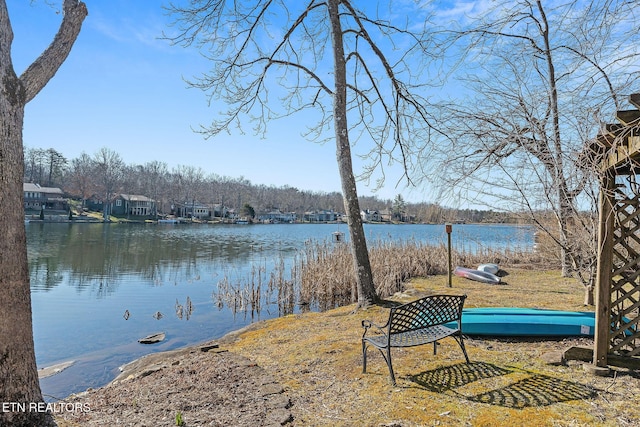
[(122, 88)]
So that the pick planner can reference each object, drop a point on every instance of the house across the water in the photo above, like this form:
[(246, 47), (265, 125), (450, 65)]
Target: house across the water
[(37, 198)]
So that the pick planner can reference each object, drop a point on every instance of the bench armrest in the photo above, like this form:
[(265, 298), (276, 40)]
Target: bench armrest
[(367, 324)]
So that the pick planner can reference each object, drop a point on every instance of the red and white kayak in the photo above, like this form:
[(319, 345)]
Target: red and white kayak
[(477, 275)]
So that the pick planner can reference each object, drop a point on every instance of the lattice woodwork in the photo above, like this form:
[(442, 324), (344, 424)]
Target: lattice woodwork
[(624, 338)]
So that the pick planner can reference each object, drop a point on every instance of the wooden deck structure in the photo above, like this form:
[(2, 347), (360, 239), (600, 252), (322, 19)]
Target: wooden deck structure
[(617, 150)]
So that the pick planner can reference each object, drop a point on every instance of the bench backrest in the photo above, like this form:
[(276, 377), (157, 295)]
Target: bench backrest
[(428, 311)]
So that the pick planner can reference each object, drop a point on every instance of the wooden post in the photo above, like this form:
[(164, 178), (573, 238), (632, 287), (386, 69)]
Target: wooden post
[(606, 226), (448, 227)]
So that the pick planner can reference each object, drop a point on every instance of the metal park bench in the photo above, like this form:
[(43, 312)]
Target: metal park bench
[(416, 323)]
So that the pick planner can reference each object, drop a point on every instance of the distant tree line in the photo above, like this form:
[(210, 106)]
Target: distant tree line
[(105, 174)]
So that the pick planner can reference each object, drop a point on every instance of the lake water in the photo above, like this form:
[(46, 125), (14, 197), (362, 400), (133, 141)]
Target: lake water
[(97, 288)]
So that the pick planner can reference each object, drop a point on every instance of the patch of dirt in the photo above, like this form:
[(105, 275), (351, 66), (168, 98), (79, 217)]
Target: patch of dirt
[(201, 386)]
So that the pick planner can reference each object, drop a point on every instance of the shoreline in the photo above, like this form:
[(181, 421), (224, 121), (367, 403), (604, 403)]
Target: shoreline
[(143, 364), (134, 367), (49, 371), (85, 219)]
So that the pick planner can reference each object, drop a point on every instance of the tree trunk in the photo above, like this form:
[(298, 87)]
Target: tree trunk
[(19, 384), (364, 278), (589, 298), (557, 167), (563, 236)]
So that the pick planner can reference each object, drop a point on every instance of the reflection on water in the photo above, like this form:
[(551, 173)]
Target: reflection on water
[(86, 254), (98, 288)]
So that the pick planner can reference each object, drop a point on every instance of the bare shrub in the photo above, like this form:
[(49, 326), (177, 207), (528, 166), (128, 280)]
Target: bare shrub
[(321, 275), (326, 278)]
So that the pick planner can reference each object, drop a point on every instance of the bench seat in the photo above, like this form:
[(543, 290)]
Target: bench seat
[(413, 338)]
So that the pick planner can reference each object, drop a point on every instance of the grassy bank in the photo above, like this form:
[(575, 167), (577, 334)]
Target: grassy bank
[(317, 357)]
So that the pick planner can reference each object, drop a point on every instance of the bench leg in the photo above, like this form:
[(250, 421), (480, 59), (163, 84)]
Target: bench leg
[(390, 365), (385, 355), (364, 357), (461, 344)]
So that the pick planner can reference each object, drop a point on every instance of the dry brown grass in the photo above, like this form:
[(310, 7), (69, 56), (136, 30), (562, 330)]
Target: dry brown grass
[(318, 358), (321, 277)]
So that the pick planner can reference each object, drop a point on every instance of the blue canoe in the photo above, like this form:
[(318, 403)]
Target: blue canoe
[(530, 322)]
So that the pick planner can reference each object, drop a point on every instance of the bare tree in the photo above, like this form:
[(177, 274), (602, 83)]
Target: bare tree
[(535, 80), (18, 372), (109, 175), (188, 183), (45, 167), (80, 179), (154, 177), (34, 165), (356, 69)]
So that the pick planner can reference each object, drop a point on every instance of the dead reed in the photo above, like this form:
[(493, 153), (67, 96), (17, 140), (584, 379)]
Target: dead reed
[(321, 275), (244, 295)]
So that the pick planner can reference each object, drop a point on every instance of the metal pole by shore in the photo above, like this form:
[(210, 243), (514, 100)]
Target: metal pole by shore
[(449, 228)]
